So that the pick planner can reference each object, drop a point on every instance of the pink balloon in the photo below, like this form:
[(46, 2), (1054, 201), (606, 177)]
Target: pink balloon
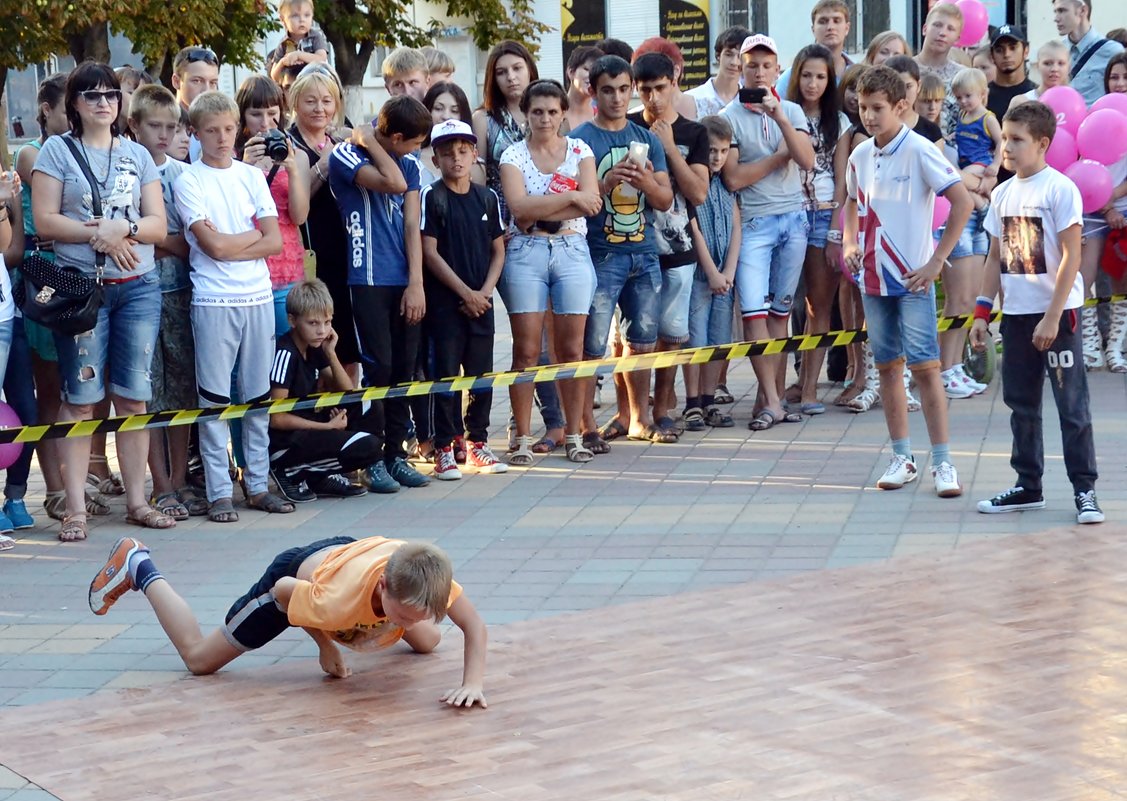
[(1069, 106), (9, 451), (1094, 182), (1103, 136), (940, 213), (1062, 152), (1114, 101), (976, 21)]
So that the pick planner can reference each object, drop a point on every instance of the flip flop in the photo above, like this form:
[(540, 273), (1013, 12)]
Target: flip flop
[(653, 434), (613, 430), (545, 445)]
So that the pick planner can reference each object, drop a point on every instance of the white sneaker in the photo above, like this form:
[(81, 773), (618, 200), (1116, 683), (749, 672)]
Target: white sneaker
[(953, 385), (977, 386), (901, 470), (946, 480), (445, 467)]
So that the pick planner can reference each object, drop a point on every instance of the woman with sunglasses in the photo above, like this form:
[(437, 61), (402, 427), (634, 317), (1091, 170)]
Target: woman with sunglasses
[(116, 355)]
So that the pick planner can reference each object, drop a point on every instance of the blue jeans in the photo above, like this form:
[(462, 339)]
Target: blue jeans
[(631, 281), (19, 390), (710, 316), (771, 254), (124, 338), (902, 327), (676, 291), (281, 321)]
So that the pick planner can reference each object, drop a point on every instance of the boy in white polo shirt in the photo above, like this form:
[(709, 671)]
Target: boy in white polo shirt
[(231, 224), (892, 181), (1034, 221)]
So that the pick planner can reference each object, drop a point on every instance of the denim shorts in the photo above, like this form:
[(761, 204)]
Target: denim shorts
[(1095, 227), (771, 254), (902, 327), (676, 289), (541, 267), (819, 223), (710, 316), (255, 619), (631, 281), (123, 338), (973, 241)]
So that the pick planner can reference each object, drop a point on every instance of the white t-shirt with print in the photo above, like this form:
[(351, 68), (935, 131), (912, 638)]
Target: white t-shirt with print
[(708, 102), (536, 182), (233, 199), (895, 188), (1027, 215)]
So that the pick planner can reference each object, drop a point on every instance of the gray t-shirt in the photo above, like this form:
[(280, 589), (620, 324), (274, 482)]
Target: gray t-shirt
[(757, 136), (130, 167)]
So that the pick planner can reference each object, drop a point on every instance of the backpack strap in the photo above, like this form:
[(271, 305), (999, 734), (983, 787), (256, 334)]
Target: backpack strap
[(440, 205), (1087, 54)]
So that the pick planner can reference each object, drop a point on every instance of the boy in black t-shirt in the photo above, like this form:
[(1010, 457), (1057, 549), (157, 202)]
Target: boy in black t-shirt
[(310, 449), (463, 251)]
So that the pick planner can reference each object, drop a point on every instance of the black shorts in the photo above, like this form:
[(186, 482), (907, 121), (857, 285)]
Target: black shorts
[(255, 619)]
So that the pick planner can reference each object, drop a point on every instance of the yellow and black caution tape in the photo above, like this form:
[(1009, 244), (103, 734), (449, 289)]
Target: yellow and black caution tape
[(551, 372)]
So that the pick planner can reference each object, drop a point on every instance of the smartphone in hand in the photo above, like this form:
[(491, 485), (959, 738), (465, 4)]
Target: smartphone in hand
[(753, 95)]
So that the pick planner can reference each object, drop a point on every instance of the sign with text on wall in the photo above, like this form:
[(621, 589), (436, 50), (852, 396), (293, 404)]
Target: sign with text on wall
[(582, 24), (686, 23)]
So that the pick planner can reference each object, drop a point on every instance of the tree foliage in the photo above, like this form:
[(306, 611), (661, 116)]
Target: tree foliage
[(494, 20)]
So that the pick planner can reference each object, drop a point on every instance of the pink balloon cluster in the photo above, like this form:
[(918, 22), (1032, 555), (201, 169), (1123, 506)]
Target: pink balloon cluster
[(1087, 141)]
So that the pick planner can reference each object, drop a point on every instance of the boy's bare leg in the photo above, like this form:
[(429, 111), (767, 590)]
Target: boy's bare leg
[(934, 401), (201, 655), (893, 400)]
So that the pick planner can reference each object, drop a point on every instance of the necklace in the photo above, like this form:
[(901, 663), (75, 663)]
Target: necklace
[(109, 162)]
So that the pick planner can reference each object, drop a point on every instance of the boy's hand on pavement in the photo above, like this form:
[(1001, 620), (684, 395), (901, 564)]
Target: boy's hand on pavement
[(466, 695), (332, 662)]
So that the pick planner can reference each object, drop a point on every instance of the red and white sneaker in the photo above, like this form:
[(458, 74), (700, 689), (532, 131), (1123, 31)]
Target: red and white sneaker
[(481, 458), (113, 580), (445, 467)]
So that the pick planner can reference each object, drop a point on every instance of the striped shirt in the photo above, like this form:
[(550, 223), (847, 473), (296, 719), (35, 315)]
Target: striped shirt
[(373, 221)]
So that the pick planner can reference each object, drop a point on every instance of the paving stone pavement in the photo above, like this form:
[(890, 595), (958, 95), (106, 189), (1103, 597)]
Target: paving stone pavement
[(721, 507)]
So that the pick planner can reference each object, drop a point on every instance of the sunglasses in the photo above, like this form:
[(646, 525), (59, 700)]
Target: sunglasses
[(201, 54), (94, 97)]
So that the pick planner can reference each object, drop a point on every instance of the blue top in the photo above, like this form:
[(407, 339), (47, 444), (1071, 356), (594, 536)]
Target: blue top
[(625, 223), (714, 218), (1089, 81), (973, 142), (373, 221)]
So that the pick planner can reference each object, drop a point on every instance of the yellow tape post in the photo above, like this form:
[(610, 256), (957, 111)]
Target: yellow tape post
[(551, 372)]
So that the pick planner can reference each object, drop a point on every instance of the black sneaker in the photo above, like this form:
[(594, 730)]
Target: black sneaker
[(1087, 509), (337, 486), (1015, 499), (291, 489)]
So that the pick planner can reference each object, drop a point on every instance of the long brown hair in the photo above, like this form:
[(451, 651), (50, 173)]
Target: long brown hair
[(495, 101)]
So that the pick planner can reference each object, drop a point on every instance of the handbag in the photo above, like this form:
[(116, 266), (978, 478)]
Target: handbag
[(309, 255), (63, 299)]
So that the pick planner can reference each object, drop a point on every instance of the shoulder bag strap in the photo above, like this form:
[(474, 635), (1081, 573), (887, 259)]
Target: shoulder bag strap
[(1087, 54), (95, 195)]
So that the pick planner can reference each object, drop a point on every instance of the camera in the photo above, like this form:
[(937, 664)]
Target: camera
[(276, 146), (753, 95)]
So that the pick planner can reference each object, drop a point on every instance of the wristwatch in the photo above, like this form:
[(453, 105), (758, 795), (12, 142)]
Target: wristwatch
[(133, 229)]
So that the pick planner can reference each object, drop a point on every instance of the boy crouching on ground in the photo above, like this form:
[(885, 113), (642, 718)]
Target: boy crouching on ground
[(363, 594)]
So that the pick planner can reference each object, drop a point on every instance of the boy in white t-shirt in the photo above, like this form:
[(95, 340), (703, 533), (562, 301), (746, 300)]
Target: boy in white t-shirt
[(1034, 222), (231, 225), (892, 181)]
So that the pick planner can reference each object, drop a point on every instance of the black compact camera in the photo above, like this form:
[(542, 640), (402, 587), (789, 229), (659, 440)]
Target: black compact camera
[(276, 146), (753, 95)]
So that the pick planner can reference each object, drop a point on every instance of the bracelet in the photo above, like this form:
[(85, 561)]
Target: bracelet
[(319, 174), (983, 306), (833, 236)]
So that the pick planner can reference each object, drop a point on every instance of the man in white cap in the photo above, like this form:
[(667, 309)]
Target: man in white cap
[(771, 144)]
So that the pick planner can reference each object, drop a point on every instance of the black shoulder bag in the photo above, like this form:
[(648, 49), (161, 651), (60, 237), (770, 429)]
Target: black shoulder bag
[(63, 299)]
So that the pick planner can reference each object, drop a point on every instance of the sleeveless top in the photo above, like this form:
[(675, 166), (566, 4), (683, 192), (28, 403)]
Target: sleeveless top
[(25, 198), (289, 265), (500, 136), (973, 142), (326, 229)]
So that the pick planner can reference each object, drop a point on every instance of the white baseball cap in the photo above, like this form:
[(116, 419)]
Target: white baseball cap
[(451, 129), (759, 40)]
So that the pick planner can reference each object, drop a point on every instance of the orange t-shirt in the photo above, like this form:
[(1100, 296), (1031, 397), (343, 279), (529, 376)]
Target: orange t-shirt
[(338, 597)]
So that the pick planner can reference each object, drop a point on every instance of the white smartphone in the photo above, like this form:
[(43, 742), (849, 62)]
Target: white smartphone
[(639, 152)]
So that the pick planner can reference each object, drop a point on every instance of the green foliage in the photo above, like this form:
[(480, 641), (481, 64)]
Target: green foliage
[(494, 20), (232, 28)]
